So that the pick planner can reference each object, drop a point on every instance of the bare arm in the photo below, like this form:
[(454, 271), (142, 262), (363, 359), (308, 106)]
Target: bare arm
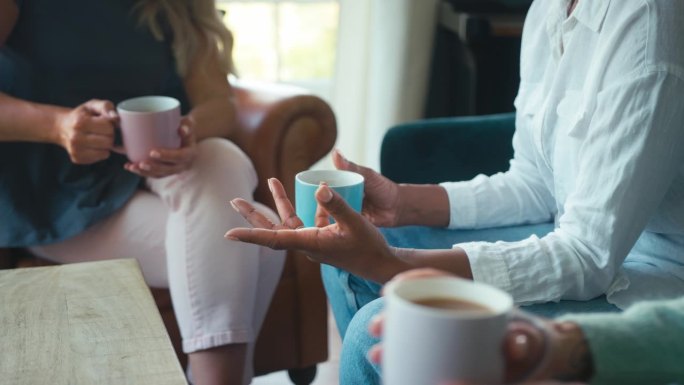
[(23, 121), (453, 260), (426, 205)]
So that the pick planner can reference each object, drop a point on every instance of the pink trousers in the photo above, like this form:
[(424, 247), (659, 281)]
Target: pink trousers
[(220, 289)]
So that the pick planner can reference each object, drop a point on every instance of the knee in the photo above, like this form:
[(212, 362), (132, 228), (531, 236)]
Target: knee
[(219, 158), (354, 364), (221, 151)]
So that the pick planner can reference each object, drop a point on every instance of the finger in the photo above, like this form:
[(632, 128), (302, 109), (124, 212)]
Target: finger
[(335, 205), (94, 125), (187, 133), (251, 214), (523, 349), (285, 209), (375, 354), (321, 218), (89, 156), (103, 108), (375, 327), (343, 163), (95, 141), (157, 168), (119, 150), (173, 155), (300, 239), (149, 170)]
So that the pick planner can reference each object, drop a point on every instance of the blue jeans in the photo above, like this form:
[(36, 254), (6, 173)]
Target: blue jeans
[(355, 301)]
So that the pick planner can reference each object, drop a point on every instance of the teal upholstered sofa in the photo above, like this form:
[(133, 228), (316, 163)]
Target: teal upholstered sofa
[(447, 149)]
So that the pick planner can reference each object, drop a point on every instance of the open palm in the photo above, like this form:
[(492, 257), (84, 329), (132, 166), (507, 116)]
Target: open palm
[(351, 243)]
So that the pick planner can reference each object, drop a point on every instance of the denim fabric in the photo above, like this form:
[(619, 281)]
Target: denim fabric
[(355, 301)]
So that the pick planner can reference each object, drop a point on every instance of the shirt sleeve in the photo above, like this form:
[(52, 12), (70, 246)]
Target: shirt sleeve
[(519, 195), (643, 345), (630, 155)]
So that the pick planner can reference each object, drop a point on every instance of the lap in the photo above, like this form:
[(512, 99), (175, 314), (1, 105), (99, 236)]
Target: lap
[(421, 237)]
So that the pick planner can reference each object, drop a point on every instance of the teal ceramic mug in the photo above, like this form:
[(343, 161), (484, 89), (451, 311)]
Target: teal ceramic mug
[(346, 183)]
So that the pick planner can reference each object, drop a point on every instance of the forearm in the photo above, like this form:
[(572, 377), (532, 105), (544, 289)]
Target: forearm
[(22, 121), (453, 260), (425, 205), (393, 261)]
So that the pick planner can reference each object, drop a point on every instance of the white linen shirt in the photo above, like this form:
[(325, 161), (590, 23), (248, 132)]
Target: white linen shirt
[(598, 149)]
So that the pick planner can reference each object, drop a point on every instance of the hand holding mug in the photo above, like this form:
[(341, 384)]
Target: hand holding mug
[(381, 196), (534, 349), (87, 131), (163, 162), (157, 141)]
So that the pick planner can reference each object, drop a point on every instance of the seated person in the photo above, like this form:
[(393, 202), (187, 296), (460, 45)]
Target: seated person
[(67, 195), (597, 151)]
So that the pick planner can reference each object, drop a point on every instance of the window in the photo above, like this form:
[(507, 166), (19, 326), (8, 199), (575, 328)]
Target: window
[(289, 41)]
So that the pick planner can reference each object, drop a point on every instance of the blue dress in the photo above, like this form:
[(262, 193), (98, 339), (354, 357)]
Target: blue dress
[(66, 53)]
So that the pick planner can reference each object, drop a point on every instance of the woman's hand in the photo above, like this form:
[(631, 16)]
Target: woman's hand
[(351, 243), (525, 346), (87, 131), (387, 204), (381, 201), (169, 161)]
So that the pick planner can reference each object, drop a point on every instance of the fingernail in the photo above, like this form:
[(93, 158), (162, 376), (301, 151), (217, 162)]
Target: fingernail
[(230, 237), (326, 193), (155, 154), (112, 114), (185, 129), (521, 347), (270, 184), (235, 207)]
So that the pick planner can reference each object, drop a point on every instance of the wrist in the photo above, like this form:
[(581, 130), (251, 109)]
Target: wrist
[(55, 118), (396, 261), (423, 204)]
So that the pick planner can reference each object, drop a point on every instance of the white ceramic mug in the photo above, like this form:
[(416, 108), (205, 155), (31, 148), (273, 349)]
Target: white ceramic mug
[(425, 345), (149, 122)]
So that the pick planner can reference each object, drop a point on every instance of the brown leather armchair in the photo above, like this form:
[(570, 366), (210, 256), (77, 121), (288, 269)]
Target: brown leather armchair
[(284, 131)]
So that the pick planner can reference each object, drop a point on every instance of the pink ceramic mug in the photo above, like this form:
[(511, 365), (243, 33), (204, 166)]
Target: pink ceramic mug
[(149, 122)]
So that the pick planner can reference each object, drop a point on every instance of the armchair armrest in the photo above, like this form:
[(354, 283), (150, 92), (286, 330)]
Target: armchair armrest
[(447, 149), (283, 130)]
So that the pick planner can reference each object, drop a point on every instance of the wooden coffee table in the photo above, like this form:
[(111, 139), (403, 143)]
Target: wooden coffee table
[(84, 323)]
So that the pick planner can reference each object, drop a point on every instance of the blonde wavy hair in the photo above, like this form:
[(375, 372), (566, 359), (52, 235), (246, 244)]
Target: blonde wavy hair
[(195, 25)]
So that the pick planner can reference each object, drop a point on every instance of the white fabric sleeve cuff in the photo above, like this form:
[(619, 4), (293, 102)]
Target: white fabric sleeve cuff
[(462, 205), (487, 267)]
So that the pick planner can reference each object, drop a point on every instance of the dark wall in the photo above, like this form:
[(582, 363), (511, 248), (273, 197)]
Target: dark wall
[(476, 73)]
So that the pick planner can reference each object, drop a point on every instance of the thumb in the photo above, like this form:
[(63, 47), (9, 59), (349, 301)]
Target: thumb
[(335, 205), (342, 163)]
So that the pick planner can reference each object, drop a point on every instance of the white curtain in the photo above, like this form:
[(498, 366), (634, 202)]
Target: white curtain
[(383, 59)]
